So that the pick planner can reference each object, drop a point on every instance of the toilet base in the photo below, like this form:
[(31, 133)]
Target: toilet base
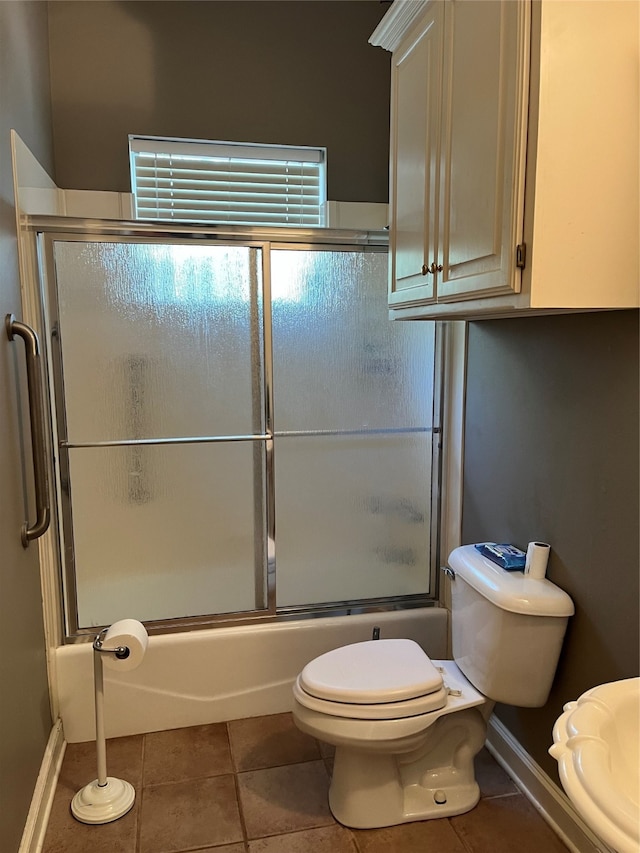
[(376, 789)]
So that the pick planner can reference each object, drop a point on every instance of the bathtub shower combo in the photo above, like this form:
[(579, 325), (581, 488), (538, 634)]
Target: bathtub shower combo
[(242, 441)]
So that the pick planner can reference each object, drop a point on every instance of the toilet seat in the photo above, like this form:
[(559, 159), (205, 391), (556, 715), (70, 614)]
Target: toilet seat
[(374, 680), (380, 711)]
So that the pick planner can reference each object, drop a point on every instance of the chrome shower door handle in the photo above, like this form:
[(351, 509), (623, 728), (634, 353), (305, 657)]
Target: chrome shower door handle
[(37, 423)]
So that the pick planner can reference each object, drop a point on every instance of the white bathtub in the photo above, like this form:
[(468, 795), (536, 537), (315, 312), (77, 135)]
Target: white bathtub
[(207, 676)]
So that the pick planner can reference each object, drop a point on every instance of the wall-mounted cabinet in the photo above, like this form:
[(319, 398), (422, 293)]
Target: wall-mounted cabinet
[(514, 156)]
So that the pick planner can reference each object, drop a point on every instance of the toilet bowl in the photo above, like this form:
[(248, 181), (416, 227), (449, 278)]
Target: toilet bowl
[(380, 775), (405, 728)]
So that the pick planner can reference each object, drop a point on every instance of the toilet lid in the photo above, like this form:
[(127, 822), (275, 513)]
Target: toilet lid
[(373, 672), (380, 711)]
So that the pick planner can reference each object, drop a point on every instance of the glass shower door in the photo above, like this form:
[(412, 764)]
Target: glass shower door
[(162, 434), (354, 400)]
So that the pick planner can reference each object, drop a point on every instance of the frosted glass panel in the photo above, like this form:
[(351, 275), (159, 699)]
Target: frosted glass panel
[(353, 517), (339, 363), (164, 531), (159, 340), (353, 511)]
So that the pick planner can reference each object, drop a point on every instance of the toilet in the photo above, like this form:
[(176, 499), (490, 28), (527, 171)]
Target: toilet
[(406, 729)]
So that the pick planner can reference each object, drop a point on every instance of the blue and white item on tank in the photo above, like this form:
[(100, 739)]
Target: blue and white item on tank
[(507, 556)]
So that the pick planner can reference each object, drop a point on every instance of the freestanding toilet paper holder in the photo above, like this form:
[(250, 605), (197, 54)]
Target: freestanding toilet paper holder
[(106, 798)]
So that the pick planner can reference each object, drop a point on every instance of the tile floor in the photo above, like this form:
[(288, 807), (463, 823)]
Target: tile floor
[(260, 786)]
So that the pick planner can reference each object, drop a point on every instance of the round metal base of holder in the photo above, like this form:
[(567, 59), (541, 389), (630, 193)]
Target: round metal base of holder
[(103, 803)]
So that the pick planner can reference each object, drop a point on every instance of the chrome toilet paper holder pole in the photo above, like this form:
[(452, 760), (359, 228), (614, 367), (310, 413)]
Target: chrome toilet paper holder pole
[(106, 798)]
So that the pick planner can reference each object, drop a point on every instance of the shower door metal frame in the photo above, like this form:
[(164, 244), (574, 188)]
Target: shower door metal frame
[(51, 229), (264, 570)]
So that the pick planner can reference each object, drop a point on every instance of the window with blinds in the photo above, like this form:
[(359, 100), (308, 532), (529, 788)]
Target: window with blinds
[(237, 183)]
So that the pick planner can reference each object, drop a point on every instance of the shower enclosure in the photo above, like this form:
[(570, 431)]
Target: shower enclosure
[(239, 432)]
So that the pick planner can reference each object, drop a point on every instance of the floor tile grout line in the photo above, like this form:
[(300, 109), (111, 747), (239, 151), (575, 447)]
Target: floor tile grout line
[(502, 796), (287, 764), (297, 831), (354, 838), (243, 822), (460, 838), (208, 847), (284, 764), (236, 785), (189, 778), (232, 752)]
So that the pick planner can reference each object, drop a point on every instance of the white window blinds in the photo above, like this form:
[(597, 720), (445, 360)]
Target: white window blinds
[(237, 183)]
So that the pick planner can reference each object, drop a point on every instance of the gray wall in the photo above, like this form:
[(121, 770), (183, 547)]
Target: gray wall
[(25, 720), (551, 454), (299, 73)]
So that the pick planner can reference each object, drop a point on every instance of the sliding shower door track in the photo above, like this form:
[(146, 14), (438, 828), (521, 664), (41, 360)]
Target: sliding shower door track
[(284, 614)]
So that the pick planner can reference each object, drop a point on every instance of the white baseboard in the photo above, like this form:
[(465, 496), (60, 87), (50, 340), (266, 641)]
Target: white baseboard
[(552, 803), (38, 817)]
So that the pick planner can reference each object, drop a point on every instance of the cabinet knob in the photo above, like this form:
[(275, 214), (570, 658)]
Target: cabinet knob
[(425, 270), (434, 268)]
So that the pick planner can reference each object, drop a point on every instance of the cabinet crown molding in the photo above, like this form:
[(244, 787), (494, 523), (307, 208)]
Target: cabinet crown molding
[(396, 22)]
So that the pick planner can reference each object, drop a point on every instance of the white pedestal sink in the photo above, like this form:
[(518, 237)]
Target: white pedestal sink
[(598, 754)]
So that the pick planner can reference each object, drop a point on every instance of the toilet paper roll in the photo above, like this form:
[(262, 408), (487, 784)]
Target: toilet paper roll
[(535, 565), (129, 633)]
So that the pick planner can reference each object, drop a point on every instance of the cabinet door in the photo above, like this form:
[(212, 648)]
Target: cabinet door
[(482, 153), (415, 98)]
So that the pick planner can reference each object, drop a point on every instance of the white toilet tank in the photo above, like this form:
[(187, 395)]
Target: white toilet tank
[(507, 629)]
